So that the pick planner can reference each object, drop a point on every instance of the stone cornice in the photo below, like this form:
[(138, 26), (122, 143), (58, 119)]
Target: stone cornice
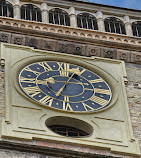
[(91, 36)]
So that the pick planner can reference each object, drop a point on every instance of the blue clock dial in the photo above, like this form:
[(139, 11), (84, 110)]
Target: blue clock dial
[(64, 86)]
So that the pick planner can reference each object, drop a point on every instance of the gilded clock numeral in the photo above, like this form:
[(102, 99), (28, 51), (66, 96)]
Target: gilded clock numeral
[(88, 89), (46, 100), (98, 100), (102, 91), (45, 66), (32, 91), (87, 107), (66, 105), (27, 80), (64, 71), (81, 72), (96, 80), (30, 70)]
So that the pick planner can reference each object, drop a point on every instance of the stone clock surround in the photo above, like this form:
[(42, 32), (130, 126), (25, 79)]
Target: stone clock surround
[(34, 127)]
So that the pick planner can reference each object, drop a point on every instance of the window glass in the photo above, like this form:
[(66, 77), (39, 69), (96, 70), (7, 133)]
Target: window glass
[(30, 12), (87, 21)]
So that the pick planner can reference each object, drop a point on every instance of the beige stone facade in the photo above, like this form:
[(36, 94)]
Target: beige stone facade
[(74, 41)]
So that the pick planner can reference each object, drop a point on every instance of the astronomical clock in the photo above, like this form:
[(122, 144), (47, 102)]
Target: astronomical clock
[(66, 99)]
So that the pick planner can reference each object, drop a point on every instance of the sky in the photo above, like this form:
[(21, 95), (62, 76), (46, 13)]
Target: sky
[(132, 4)]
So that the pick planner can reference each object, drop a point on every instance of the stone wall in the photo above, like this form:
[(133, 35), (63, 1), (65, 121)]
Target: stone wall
[(134, 97)]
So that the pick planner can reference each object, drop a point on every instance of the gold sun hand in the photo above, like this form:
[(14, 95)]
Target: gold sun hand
[(74, 71), (50, 80)]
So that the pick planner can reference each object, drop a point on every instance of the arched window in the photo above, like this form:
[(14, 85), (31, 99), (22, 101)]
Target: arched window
[(6, 9), (114, 25), (136, 26), (59, 17), (30, 12), (87, 21)]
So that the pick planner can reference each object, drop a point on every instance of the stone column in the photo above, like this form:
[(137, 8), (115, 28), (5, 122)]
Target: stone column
[(73, 18), (128, 26), (45, 12), (17, 9), (100, 21)]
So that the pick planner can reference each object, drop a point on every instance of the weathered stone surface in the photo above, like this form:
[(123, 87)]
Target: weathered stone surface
[(63, 47), (124, 55), (70, 48), (134, 73), (48, 44), (136, 57), (93, 51), (18, 154), (33, 42), (18, 39), (5, 37), (109, 53), (77, 49)]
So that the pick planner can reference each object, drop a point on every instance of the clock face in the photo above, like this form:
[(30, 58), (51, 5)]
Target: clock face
[(64, 86)]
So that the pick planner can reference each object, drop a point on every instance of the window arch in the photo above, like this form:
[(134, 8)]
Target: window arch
[(31, 12), (87, 21), (114, 25), (136, 26), (60, 17), (6, 9)]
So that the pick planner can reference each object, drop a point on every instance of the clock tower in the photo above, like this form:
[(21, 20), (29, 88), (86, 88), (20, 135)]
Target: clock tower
[(71, 79)]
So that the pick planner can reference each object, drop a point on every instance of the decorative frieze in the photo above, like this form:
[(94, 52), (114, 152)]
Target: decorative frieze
[(5, 37), (124, 55), (109, 53)]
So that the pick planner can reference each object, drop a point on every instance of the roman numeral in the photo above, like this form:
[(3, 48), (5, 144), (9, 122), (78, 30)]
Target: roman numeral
[(32, 91), (45, 66), (98, 100), (87, 107), (63, 71), (27, 80), (46, 100), (88, 89), (66, 105), (30, 70), (96, 80), (81, 72), (102, 91)]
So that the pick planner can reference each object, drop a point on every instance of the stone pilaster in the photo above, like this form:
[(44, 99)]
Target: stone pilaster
[(73, 17), (128, 26), (45, 12), (16, 7), (100, 21)]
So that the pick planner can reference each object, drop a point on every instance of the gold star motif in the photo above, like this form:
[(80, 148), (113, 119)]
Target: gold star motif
[(39, 96), (77, 106), (83, 97), (38, 68), (99, 86), (29, 75), (53, 65), (89, 76), (57, 103)]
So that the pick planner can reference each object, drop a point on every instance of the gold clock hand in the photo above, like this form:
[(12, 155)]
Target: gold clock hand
[(75, 70), (50, 80)]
